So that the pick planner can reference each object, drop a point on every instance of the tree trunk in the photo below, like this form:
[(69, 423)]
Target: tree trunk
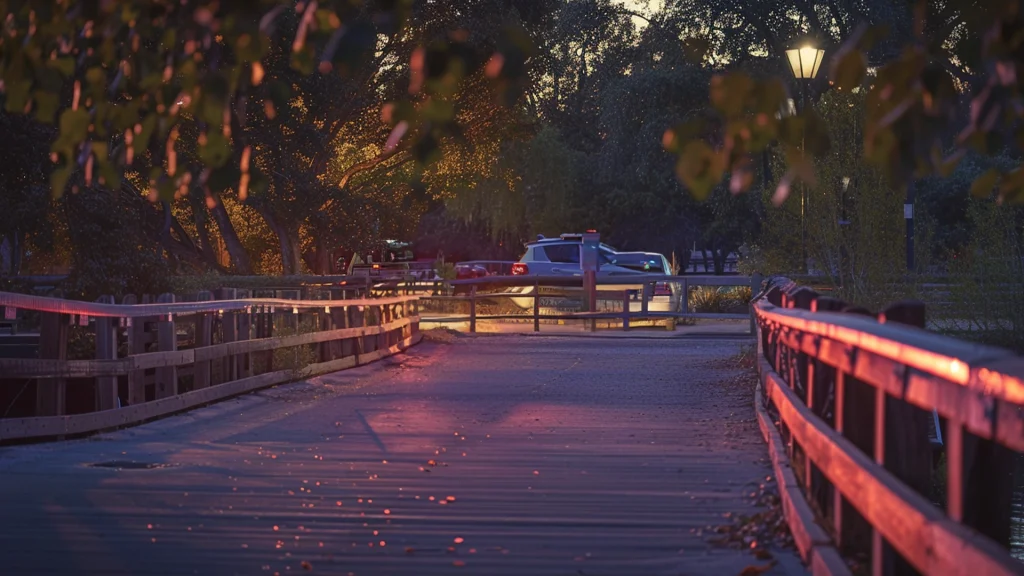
[(322, 256), (288, 238), (199, 216), (239, 255)]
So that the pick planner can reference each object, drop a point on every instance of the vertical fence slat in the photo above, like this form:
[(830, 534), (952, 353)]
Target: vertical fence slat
[(106, 349), (245, 322), (472, 308), (167, 340), (625, 309), (905, 444), (228, 333), (955, 470), (51, 393), (878, 552), (136, 336), (204, 337), (536, 306)]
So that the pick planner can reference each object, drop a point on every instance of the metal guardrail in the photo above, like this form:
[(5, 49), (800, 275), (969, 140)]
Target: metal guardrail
[(846, 400), (232, 345), (642, 295)]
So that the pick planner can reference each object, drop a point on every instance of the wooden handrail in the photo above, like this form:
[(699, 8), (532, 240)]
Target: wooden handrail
[(232, 351), (100, 310), (816, 366)]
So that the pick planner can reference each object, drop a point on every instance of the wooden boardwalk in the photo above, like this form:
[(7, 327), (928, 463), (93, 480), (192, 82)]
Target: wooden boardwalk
[(501, 455)]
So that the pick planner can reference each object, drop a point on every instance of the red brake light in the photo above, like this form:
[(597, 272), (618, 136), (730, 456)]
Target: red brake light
[(519, 269)]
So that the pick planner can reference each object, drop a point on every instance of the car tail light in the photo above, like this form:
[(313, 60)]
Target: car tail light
[(519, 269)]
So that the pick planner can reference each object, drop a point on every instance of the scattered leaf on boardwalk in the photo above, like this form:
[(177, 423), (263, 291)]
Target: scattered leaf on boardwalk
[(755, 570)]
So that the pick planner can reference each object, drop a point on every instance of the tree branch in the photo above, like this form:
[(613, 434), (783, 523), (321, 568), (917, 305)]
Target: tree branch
[(365, 165)]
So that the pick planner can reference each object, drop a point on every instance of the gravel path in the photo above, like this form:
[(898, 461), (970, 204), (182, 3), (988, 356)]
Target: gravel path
[(500, 455)]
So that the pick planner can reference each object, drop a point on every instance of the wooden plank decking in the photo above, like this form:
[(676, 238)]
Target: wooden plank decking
[(561, 456)]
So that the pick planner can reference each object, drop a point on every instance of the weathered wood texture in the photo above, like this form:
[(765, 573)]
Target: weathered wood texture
[(216, 357), (852, 394)]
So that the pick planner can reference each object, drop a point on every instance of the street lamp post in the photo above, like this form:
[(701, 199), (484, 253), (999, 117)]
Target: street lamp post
[(804, 62)]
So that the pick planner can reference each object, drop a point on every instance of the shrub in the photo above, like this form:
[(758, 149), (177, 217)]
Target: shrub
[(707, 299)]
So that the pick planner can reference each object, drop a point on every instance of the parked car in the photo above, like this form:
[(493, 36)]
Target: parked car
[(562, 257), (465, 271)]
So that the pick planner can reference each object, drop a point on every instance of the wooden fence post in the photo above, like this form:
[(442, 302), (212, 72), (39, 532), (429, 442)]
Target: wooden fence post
[(325, 322), (356, 319), (381, 311), (106, 349), (136, 335), (343, 319), (755, 288), (855, 411), (167, 340), (536, 305), (229, 333), (904, 448), (51, 393), (472, 308), (625, 307), (204, 337)]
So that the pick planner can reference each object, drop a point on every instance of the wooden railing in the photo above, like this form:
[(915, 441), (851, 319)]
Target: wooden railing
[(153, 359), (846, 400), (627, 298)]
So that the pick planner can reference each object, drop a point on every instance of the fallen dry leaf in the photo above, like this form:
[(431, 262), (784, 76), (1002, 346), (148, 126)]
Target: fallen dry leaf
[(755, 570)]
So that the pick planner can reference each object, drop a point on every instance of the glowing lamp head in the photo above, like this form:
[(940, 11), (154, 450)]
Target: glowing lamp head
[(805, 61)]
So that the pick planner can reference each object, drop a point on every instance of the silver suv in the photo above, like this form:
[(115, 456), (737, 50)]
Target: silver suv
[(561, 256)]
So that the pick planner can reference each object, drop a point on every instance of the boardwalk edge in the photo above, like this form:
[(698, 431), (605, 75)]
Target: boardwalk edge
[(815, 546)]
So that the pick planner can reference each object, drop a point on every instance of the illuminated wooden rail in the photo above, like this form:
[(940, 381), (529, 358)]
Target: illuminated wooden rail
[(846, 401), (156, 358)]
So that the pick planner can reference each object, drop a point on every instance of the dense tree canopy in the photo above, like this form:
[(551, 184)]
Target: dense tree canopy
[(280, 136)]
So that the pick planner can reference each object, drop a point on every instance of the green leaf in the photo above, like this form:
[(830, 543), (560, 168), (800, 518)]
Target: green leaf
[(303, 61), (46, 105), (17, 95), (983, 185), (146, 128), (216, 151), (66, 66), (74, 127), (729, 93), (848, 69), (700, 168), (59, 179)]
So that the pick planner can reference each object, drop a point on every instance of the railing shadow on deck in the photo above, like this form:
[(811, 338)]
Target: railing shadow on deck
[(853, 405), (157, 358)]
